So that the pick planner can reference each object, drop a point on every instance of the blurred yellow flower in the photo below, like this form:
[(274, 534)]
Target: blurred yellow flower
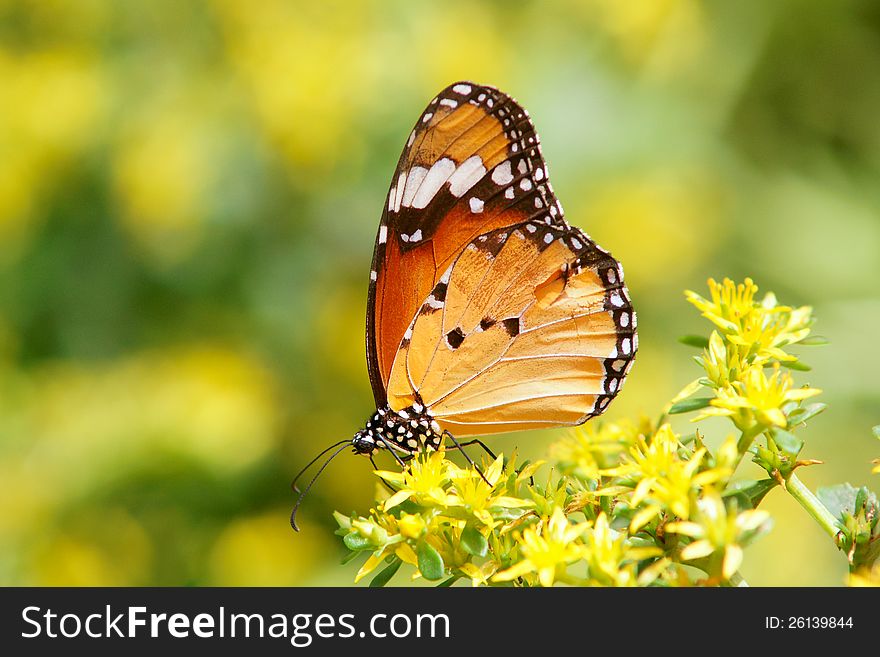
[(257, 551), (662, 35), (718, 532), (36, 138), (678, 209), (590, 448)]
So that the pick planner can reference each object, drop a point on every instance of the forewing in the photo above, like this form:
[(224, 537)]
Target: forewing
[(471, 166)]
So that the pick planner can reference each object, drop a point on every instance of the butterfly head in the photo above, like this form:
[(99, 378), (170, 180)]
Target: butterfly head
[(363, 442)]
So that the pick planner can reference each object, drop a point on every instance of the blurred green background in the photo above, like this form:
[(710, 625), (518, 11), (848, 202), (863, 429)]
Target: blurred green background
[(189, 194)]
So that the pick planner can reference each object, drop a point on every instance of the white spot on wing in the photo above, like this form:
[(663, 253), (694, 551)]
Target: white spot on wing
[(476, 205), (502, 174), (413, 180), (525, 184), (401, 183), (416, 236), (466, 175), (372, 275), (436, 176), (427, 117), (463, 89), (449, 102), (383, 234)]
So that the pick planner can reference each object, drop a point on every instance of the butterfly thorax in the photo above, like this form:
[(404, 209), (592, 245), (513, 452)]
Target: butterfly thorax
[(409, 430)]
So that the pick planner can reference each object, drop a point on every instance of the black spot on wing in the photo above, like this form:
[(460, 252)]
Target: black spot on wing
[(511, 325), (454, 338)]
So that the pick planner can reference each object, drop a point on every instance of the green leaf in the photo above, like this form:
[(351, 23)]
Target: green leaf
[(838, 499), (788, 442), (796, 365), (689, 405), (430, 562), (474, 542), (698, 341), (446, 583), (355, 541), (752, 491), (814, 341), (804, 413), (385, 574)]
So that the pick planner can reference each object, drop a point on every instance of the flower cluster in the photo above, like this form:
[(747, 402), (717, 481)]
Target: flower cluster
[(631, 503)]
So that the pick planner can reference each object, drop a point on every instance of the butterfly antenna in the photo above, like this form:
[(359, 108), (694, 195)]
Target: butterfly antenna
[(311, 483), (467, 458), (312, 462), (387, 485)]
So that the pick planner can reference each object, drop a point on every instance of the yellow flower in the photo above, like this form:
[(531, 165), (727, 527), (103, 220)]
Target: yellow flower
[(590, 448), (547, 549), (423, 480), (722, 361), (665, 478), (716, 532), (479, 575), (611, 562), (764, 333), (730, 303), (756, 396), (759, 329), (472, 494), (411, 526)]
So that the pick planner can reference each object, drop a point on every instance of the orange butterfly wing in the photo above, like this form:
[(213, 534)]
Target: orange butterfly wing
[(442, 196), (485, 306)]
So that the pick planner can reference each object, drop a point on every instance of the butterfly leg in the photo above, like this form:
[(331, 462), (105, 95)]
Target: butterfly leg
[(385, 483), (468, 458), (477, 441)]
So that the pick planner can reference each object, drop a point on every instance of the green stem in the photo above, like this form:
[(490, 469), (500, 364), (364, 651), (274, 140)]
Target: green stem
[(745, 441), (798, 490)]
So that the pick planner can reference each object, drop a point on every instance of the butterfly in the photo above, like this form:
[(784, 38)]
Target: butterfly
[(487, 312)]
